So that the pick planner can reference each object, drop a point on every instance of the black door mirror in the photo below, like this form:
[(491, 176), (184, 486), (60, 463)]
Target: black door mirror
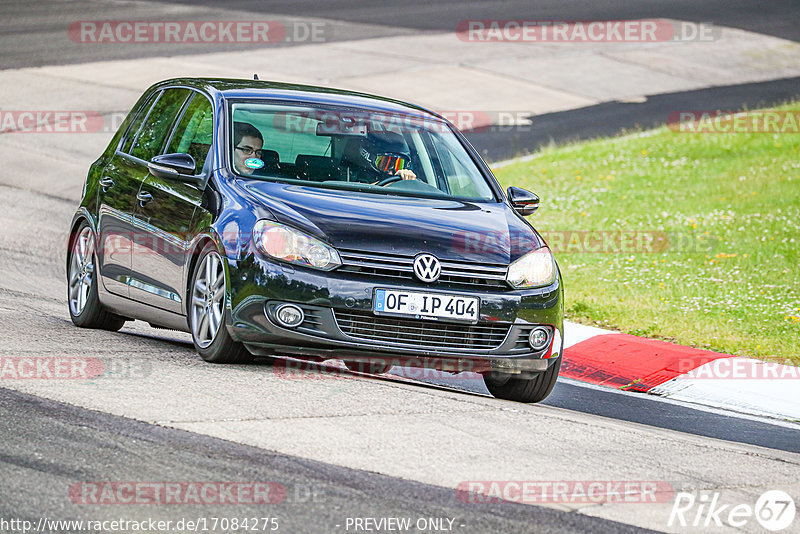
[(179, 167), (523, 200)]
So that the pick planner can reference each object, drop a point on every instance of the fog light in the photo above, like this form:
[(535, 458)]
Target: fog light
[(289, 315), (539, 338)]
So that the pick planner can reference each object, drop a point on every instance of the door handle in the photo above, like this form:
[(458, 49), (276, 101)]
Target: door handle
[(144, 197), (106, 183)]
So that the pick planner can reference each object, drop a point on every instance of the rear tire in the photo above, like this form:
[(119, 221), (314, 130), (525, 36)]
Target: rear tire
[(83, 302), (208, 311), (527, 390)]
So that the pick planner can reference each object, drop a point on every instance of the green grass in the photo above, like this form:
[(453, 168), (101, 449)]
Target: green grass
[(727, 278)]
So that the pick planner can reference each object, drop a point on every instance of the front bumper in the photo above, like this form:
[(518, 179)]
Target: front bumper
[(333, 302)]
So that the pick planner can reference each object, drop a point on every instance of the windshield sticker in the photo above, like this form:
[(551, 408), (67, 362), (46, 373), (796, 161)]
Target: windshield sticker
[(253, 163)]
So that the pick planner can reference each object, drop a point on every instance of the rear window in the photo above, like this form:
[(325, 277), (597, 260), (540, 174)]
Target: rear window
[(133, 129)]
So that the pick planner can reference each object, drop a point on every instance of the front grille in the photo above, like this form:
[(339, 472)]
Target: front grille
[(398, 266), (420, 333)]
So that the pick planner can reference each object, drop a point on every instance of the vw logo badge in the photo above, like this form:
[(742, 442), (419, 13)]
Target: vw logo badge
[(427, 267)]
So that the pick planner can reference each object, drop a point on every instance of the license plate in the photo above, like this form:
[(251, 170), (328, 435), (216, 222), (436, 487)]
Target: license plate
[(423, 305)]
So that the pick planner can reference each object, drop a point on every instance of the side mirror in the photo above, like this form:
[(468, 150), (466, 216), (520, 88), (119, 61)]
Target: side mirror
[(180, 167), (523, 200)]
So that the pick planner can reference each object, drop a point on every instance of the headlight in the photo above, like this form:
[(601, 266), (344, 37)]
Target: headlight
[(284, 243), (534, 269)]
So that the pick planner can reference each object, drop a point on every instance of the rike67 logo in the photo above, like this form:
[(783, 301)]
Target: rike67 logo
[(774, 510)]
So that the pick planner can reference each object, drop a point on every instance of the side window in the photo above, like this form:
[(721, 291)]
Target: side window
[(194, 132), (159, 122), (130, 135), (460, 175)]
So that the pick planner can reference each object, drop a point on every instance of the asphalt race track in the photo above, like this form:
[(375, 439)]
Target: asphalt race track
[(89, 445), (343, 445)]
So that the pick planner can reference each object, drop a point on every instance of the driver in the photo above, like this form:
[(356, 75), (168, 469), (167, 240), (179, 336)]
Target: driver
[(376, 158), (247, 144)]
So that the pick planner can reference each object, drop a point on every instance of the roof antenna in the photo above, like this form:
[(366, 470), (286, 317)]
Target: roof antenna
[(255, 76)]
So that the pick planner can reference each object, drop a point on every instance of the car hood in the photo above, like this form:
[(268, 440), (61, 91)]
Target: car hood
[(481, 232)]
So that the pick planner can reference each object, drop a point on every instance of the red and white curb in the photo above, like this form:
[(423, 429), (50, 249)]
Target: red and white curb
[(725, 381)]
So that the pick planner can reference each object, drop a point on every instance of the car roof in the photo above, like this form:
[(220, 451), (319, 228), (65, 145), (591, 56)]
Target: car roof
[(230, 88)]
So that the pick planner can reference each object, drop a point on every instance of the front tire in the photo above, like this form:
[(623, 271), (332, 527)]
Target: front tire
[(527, 390), (85, 308), (207, 311)]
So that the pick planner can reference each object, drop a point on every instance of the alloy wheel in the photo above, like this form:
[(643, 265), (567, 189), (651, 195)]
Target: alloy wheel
[(81, 271), (207, 300)]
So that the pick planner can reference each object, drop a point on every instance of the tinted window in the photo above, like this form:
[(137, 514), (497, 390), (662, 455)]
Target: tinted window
[(194, 133), (137, 121), (287, 134), (375, 152), (159, 121)]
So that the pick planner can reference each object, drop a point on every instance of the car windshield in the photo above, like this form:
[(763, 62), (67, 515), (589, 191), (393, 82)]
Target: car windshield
[(378, 152)]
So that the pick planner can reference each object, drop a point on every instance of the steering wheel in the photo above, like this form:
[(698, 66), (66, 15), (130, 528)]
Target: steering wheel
[(389, 180)]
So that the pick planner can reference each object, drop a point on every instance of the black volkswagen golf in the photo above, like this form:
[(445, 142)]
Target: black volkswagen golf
[(269, 219)]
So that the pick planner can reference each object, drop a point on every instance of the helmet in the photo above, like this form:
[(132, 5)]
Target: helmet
[(385, 153)]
